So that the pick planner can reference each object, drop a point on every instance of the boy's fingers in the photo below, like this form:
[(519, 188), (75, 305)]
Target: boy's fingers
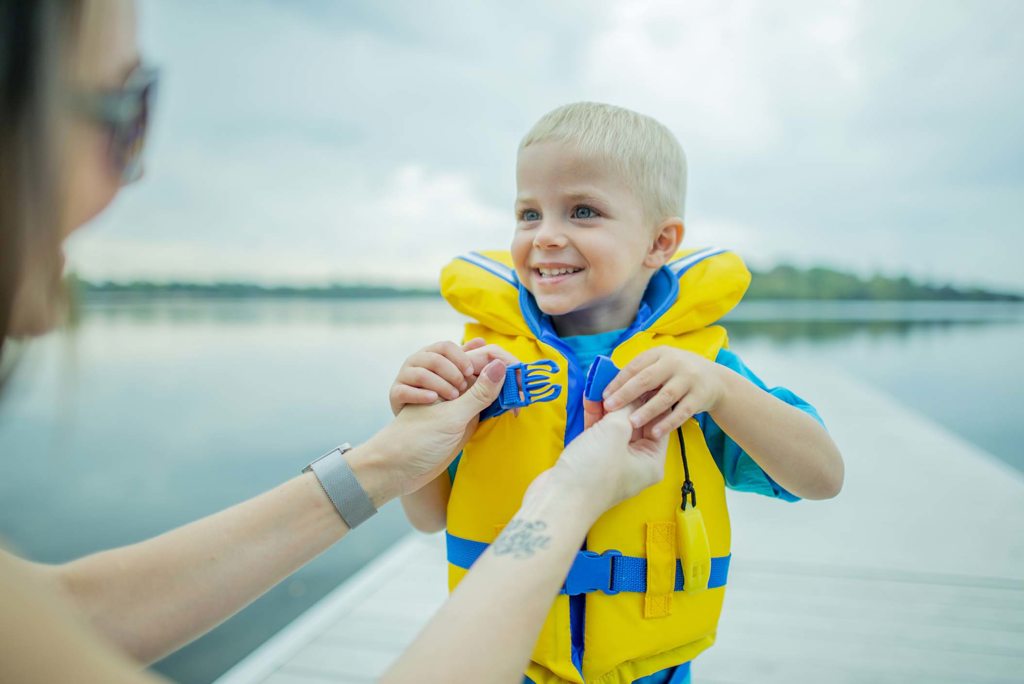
[(469, 366), (484, 355), (405, 395), (441, 365), (620, 379), (626, 374), (454, 353), (674, 419), (422, 378), (647, 431), (660, 403), (442, 347), (499, 352), (461, 360), (644, 381)]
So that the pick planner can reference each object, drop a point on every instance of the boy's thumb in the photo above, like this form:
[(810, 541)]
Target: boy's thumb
[(484, 391)]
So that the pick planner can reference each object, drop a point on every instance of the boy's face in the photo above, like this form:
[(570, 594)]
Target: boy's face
[(582, 242)]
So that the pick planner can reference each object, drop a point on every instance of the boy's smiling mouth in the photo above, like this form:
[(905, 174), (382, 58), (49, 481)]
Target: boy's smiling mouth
[(552, 273)]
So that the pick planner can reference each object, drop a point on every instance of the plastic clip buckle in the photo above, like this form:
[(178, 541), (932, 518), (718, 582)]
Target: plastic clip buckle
[(601, 373), (528, 383), (591, 572)]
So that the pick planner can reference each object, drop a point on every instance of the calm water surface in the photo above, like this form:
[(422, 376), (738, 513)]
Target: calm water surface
[(153, 414)]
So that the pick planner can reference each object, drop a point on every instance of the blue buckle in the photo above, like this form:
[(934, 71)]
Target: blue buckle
[(591, 572), (601, 373), (528, 383)]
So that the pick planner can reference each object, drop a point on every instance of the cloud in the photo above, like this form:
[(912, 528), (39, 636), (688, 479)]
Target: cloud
[(316, 140), (312, 217)]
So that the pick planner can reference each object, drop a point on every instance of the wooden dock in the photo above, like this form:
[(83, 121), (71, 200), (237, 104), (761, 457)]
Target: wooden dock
[(914, 574)]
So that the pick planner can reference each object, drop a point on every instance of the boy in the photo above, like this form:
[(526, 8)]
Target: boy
[(593, 271)]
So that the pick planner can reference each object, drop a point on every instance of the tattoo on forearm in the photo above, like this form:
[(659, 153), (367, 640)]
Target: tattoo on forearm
[(521, 538)]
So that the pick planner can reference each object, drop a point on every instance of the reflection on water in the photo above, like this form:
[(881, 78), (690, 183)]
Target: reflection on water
[(782, 332), (955, 362), (179, 408)]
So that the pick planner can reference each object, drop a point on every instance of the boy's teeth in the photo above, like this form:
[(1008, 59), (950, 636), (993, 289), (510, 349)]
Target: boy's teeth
[(551, 272)]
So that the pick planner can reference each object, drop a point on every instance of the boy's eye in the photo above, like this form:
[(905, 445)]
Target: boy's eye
[(529, 215), (584, 212)]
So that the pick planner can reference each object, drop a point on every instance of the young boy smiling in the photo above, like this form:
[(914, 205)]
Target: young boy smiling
[(594, 271)]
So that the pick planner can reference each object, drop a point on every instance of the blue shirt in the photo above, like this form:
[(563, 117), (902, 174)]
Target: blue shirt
[(740, 471)]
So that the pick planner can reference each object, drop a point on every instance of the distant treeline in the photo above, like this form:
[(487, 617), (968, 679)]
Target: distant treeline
[(249, 290), (781, 282), (789, 282)]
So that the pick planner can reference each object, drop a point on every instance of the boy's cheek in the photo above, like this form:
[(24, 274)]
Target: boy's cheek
[(521, 269)]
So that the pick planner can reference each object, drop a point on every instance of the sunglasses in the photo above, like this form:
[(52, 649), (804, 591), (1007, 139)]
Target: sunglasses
[(124, 113)]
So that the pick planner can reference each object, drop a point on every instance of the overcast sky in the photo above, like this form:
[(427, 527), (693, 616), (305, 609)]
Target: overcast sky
[(322, 141)]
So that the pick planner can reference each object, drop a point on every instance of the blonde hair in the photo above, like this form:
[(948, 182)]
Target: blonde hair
[(647, 153)]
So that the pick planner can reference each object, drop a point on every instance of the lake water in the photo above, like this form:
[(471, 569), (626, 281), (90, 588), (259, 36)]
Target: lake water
[(152, 414)]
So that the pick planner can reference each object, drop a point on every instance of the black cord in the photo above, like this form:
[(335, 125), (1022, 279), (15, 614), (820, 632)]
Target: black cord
[(687, 488)]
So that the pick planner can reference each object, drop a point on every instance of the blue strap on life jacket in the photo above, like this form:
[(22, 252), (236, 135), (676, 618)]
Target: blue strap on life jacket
[(609, 572), (525, 384)]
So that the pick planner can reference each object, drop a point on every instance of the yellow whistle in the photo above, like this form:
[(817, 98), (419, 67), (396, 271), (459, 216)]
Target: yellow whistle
[(694, 549)]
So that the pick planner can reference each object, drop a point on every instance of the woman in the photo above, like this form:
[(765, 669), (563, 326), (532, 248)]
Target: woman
[(74, 101)]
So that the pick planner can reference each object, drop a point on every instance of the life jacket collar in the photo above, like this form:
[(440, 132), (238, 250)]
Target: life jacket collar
[(691, 292)]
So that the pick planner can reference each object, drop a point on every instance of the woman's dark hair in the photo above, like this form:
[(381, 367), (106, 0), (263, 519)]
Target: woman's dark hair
[(35, 36)]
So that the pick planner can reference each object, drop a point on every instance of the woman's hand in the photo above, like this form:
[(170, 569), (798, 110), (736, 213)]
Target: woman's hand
[(672, 385), (423, 439), (442, 370), (610, 461)]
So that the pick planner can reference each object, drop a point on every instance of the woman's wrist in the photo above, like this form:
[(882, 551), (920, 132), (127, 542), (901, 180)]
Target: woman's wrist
[(373, 464), (556, 491)]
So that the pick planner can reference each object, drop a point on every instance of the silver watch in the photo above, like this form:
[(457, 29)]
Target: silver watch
[(341, 486)]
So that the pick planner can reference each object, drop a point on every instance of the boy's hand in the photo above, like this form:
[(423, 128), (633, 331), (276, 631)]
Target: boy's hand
[(442, 370), (672, 385)]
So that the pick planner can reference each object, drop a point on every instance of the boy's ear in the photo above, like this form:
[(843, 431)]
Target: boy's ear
[(667, 238)]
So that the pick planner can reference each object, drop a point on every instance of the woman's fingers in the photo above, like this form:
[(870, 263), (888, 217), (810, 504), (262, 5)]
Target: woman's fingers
[(593, 411)]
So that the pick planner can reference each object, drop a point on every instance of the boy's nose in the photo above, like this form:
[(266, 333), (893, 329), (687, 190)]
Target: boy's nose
[(549, 235)]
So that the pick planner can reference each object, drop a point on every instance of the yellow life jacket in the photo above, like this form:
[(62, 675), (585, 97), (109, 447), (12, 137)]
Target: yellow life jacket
[(626, 616)]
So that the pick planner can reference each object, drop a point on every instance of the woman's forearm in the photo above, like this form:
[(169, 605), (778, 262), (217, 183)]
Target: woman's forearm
[(42, 640), (792, 447), (487, 629), (153, 597)]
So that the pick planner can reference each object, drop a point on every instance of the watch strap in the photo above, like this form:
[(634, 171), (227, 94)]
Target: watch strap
[(341, 486)]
